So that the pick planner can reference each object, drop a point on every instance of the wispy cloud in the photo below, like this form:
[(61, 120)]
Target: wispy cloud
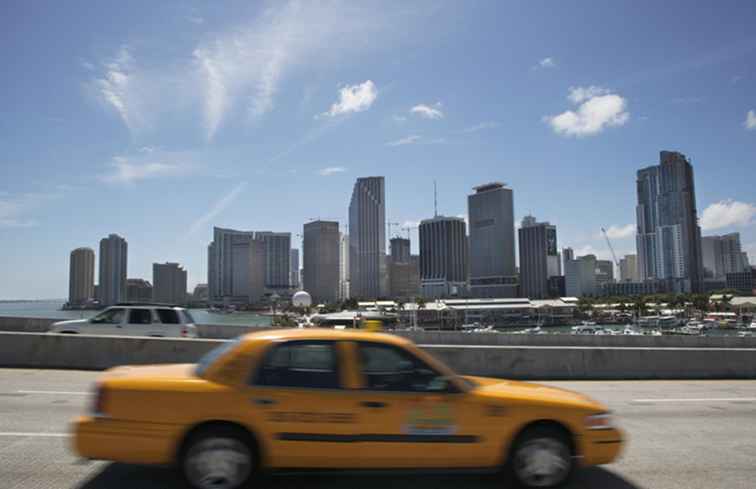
[(545, 63), (619, 232), (727, 213), (428, 111), (196, 19), (480, 127), (354, 98), (750, 121), (219, 206), (598, 109), (147, 164), (331, 170), (113, 86), (408, 140), (399, 118)]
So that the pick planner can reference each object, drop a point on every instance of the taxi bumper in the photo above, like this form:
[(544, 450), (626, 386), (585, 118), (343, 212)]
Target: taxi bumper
[(601, 446), (124, 441)]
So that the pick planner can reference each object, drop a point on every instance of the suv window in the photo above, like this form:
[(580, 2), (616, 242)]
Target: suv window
[(140, 316), (109, 316), (388, 368), (310, 364), (168, 316), (188, 318)]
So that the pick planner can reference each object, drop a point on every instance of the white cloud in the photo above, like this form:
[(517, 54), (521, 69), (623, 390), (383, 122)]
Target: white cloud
[(113, 86), (219, 206), (480, 127), (428, 111), (331, 170), (750, 122), (547, 63), (125, 171), (598, 110), (354, 98), (403, 141), (727, 213), (399, 118), (410, 224), (196, 19), (619, 232)]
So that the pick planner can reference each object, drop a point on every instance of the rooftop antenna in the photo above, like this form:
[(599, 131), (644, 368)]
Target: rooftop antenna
[(435, 200)]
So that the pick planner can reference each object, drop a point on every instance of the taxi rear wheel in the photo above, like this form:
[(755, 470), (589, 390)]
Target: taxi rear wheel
[(541, 458), (219, 457)]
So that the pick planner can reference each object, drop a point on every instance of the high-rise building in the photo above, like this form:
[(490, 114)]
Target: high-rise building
[(168, 283), (669, 238), (236, 266), (443, 256), (400, 250), (138, 290), (200, 292), (492, 241), (367, 239), (81, 276), (604, 272), (113, 265), (629, 268), (294, 268), (580, 276), (344, 267), (722, 255), (321, 260), (539, 259), (277, 257)]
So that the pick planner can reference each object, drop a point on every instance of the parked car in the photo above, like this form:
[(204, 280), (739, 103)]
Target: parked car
[(134, 320), (328, 399)]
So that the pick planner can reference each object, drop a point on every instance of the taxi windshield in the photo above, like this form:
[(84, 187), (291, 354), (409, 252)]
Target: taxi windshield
[(210, 357)]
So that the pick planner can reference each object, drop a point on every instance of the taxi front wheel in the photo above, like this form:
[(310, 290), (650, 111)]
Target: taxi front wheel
[(540, 458), (219, 457)]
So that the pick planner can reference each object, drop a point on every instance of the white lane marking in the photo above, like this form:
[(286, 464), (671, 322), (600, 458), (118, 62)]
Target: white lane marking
[(56, 393), (38, 435), (700, 399)]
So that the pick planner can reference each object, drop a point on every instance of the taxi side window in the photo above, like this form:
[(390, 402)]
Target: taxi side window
[(388, 368), (308, 364)]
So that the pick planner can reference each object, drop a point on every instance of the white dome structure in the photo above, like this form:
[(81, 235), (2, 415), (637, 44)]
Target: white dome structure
[(301, 299)]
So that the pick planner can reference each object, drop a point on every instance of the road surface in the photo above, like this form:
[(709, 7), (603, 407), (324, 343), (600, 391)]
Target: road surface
[(682, 434)]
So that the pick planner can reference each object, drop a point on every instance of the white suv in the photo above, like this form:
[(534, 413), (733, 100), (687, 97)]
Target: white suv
[(134, 320)]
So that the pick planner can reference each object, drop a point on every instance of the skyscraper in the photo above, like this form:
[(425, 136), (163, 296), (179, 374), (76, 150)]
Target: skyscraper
[(294, 268), (344, 267), (277, 257), (604, 273), (321, 260), (113, 265), (236, 266), (400, 250), (722, 255), (81, 276), (443, 256), (168, 283), (138, 290), (580, 276), (539, 259), (492, 241), (629, 268), (669, 238), (367, 239)]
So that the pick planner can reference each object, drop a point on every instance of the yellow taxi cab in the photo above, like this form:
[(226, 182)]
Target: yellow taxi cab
[(308, 398)]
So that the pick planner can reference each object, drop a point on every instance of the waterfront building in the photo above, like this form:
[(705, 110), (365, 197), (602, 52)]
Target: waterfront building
[(443, 257), (668, 237), (744, 282), (492, 241), (294, 268), (580, 276), (169, 283), (629, 268), (236, 267), (81, 276), (539, 259), (557, 286), (200, 292), (321, 260), (604, 272), (722, 255), (138, 290), (367, 239), (113, 265), (277, 260), (633, 288)]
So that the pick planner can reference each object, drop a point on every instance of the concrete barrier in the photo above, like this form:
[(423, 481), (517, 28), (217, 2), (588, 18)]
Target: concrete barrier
[(30, 350)]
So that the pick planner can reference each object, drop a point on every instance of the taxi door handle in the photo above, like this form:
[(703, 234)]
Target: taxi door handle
[(373, 404), (264, 402)]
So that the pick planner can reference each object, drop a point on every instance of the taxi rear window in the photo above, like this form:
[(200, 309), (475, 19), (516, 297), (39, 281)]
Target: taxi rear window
[(305, 364)]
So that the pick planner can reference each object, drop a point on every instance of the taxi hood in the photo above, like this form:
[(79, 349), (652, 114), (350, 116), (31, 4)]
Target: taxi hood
[(532, 392)]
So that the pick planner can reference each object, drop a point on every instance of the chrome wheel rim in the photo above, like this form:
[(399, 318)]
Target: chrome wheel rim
[(218, 463), (542, 462)]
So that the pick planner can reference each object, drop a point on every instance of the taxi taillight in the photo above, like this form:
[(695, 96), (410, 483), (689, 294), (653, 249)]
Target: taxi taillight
[(98, 406)]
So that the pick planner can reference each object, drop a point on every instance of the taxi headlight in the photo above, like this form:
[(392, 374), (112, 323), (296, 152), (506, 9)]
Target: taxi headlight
[(602, 421)]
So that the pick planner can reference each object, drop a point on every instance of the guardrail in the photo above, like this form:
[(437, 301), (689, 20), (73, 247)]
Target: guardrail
[(34, 350)]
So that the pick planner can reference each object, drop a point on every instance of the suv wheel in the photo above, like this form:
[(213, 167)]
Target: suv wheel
[(541, 457), (218, 458)]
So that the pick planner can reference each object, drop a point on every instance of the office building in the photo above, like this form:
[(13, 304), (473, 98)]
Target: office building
[(404, 280), (277, 258), (367, 239), (539, 259), (81, 276), (294, 268), (557, 286), (168, 283), (400, 250), (200, 292), (629, 269), (490, 212), (580, 277), (722, 255), (744, 282), (138, 290), (113, 265), (344, 267), (604, 272), (321, 260), (669, 238), (633, 288), (443, 257), (237, 267)]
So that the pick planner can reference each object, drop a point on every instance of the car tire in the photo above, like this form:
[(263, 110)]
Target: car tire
[(541, 457), (218, 457)]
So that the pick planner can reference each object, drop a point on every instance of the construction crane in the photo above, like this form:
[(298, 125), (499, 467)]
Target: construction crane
[(390, 225), (606, 236), (408, 229)]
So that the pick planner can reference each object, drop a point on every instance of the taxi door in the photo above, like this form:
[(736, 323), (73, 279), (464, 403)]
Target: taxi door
[(308, 417), (413, 417)]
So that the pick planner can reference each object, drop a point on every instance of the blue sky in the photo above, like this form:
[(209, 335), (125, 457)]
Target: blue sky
[(159, 121)]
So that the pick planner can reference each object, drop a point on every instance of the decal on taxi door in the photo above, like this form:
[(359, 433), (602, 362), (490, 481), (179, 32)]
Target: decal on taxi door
[(430, 419)]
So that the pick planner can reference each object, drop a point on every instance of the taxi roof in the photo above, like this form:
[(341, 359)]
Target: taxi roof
[(324, 334)]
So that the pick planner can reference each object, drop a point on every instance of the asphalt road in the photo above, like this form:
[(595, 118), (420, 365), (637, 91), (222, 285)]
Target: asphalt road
[(683, 434)]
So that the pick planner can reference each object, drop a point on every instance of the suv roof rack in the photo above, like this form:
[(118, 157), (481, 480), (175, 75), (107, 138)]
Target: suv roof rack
[(155, 304)]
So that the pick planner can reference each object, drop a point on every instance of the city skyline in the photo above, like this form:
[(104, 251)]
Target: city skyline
[(136, 137)]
